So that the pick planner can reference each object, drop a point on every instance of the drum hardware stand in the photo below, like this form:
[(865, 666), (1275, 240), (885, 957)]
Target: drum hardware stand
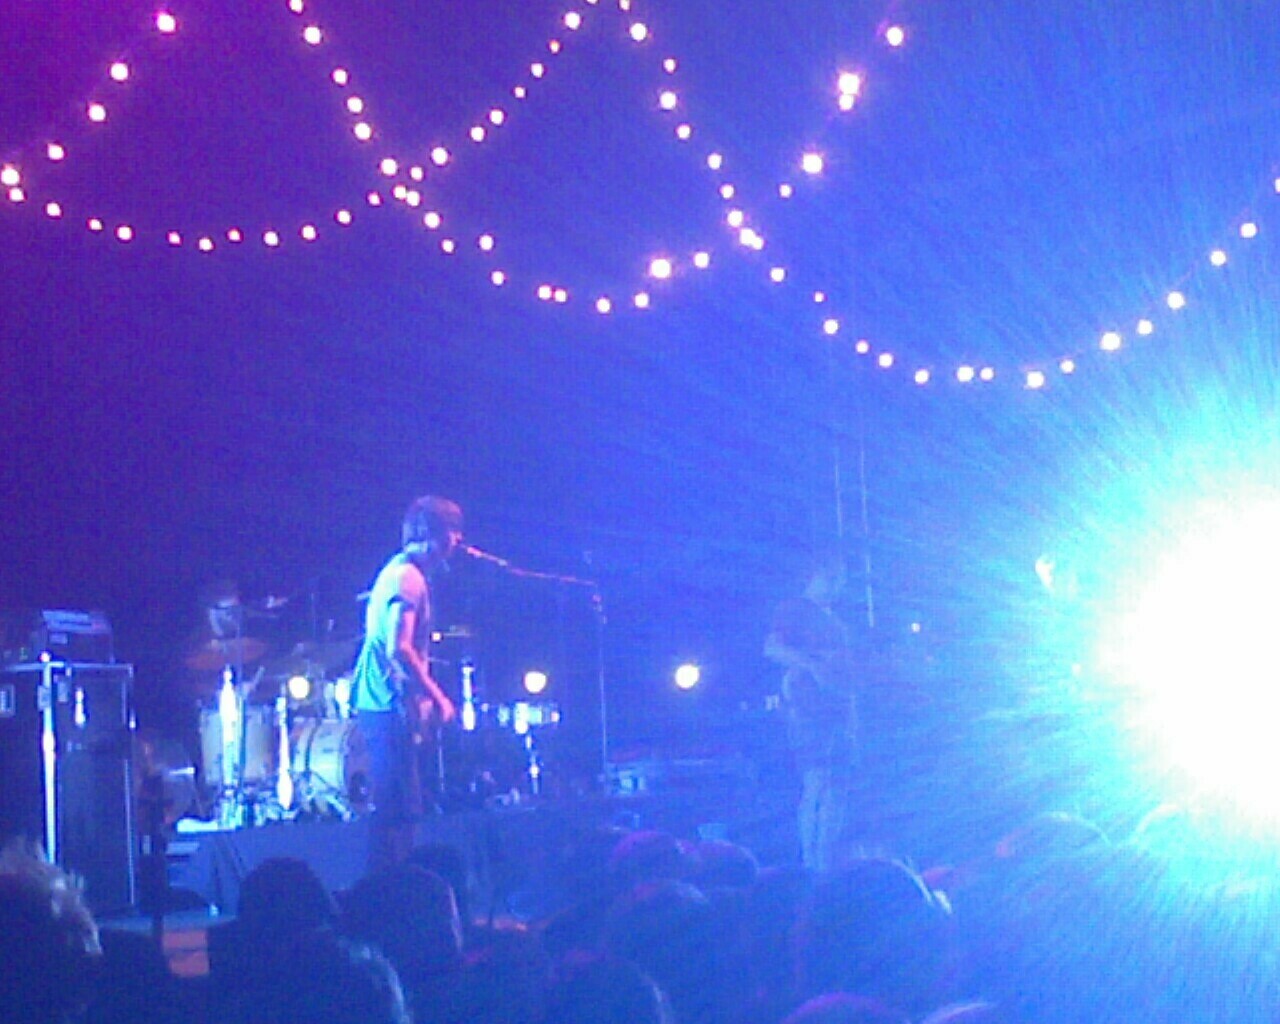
[(284, 777)]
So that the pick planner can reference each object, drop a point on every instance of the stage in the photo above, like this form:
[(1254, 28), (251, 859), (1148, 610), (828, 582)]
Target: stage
[(523, 859)]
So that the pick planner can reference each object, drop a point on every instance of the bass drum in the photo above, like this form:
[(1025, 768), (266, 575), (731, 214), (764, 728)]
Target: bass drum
[(259, 746), (330, 766)]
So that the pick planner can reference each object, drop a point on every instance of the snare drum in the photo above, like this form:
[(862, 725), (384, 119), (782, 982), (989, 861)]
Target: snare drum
[(259, 745), (330, 764)]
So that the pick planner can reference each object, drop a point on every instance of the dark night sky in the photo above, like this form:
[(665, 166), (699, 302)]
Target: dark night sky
[(1016, 179)]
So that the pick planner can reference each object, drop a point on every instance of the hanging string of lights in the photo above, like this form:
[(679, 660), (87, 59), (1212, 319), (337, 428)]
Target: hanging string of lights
[(17, 181), (405, 181), (1037, 376)]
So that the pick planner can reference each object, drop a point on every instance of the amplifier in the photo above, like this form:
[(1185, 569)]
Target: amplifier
[(66, 758), (75, 636)]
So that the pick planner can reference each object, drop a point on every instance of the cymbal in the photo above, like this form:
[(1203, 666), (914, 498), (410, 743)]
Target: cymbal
[(214, 653)]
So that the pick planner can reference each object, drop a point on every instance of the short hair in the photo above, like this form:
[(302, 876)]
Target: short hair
[(48, 939), (429, 517)]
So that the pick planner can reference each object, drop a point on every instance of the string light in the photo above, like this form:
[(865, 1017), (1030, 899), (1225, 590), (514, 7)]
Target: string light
[(10, 176), (660, 268), (1218, 258), (498, 278), (603, 305), (1248, 229), (885, 360), (1110, 341), (895, 35), (97, 113), (119, 71), (777, 275), (1067, 366), (1035, 379), (53, 209), (922, 376), (862, 347), (812, 163), (1146, 327), (55, 152), (639, 31), (830, 326), (1176, 300), (166, 23), (702, 260), (641, 300)]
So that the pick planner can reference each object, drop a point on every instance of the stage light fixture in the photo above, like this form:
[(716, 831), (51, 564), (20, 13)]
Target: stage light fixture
[(298, 687), (535, 682), (687, 676)]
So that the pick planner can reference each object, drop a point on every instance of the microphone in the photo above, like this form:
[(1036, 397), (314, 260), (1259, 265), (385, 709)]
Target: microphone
[(483, 556)]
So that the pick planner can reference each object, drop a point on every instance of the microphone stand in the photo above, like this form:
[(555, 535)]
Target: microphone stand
[(601, 620)]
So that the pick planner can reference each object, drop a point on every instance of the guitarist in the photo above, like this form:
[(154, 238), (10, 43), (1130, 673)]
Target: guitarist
[(818, 697), (393, 692)]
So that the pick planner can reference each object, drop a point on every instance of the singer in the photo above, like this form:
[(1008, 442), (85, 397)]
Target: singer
[(398, 704)]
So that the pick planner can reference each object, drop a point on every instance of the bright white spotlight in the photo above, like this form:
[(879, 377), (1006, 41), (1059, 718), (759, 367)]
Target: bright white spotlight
[(10, 176), (119, 71), (573, 21), (831, 326), (812, 163), (1218, 257), (849, 83), (895, 35), (702, 260), (312, 35), (1146, 327), (1176, 300), (785, 191), (885, 360), (1035, 379), (964, 374), (641, 300), (55, 152), (299, 687), (439, 156), (97, 113), (535, 681), (166, 23), (639, 31), (688, 676), (1194, 642), (667, 100), (1110, 341), (922, 376), (660, 268)]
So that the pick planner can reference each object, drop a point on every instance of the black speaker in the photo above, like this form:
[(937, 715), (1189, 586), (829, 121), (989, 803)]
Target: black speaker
[(66, 755)]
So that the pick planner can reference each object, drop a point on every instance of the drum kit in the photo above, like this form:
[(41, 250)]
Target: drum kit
[(280, 741), (278, 738)]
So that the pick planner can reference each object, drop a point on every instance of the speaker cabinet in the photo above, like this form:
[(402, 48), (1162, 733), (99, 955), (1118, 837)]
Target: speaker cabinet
[(66, 758)]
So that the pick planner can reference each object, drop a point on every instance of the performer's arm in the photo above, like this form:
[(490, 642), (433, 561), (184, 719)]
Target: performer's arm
[(409, 658), (777, 649)]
